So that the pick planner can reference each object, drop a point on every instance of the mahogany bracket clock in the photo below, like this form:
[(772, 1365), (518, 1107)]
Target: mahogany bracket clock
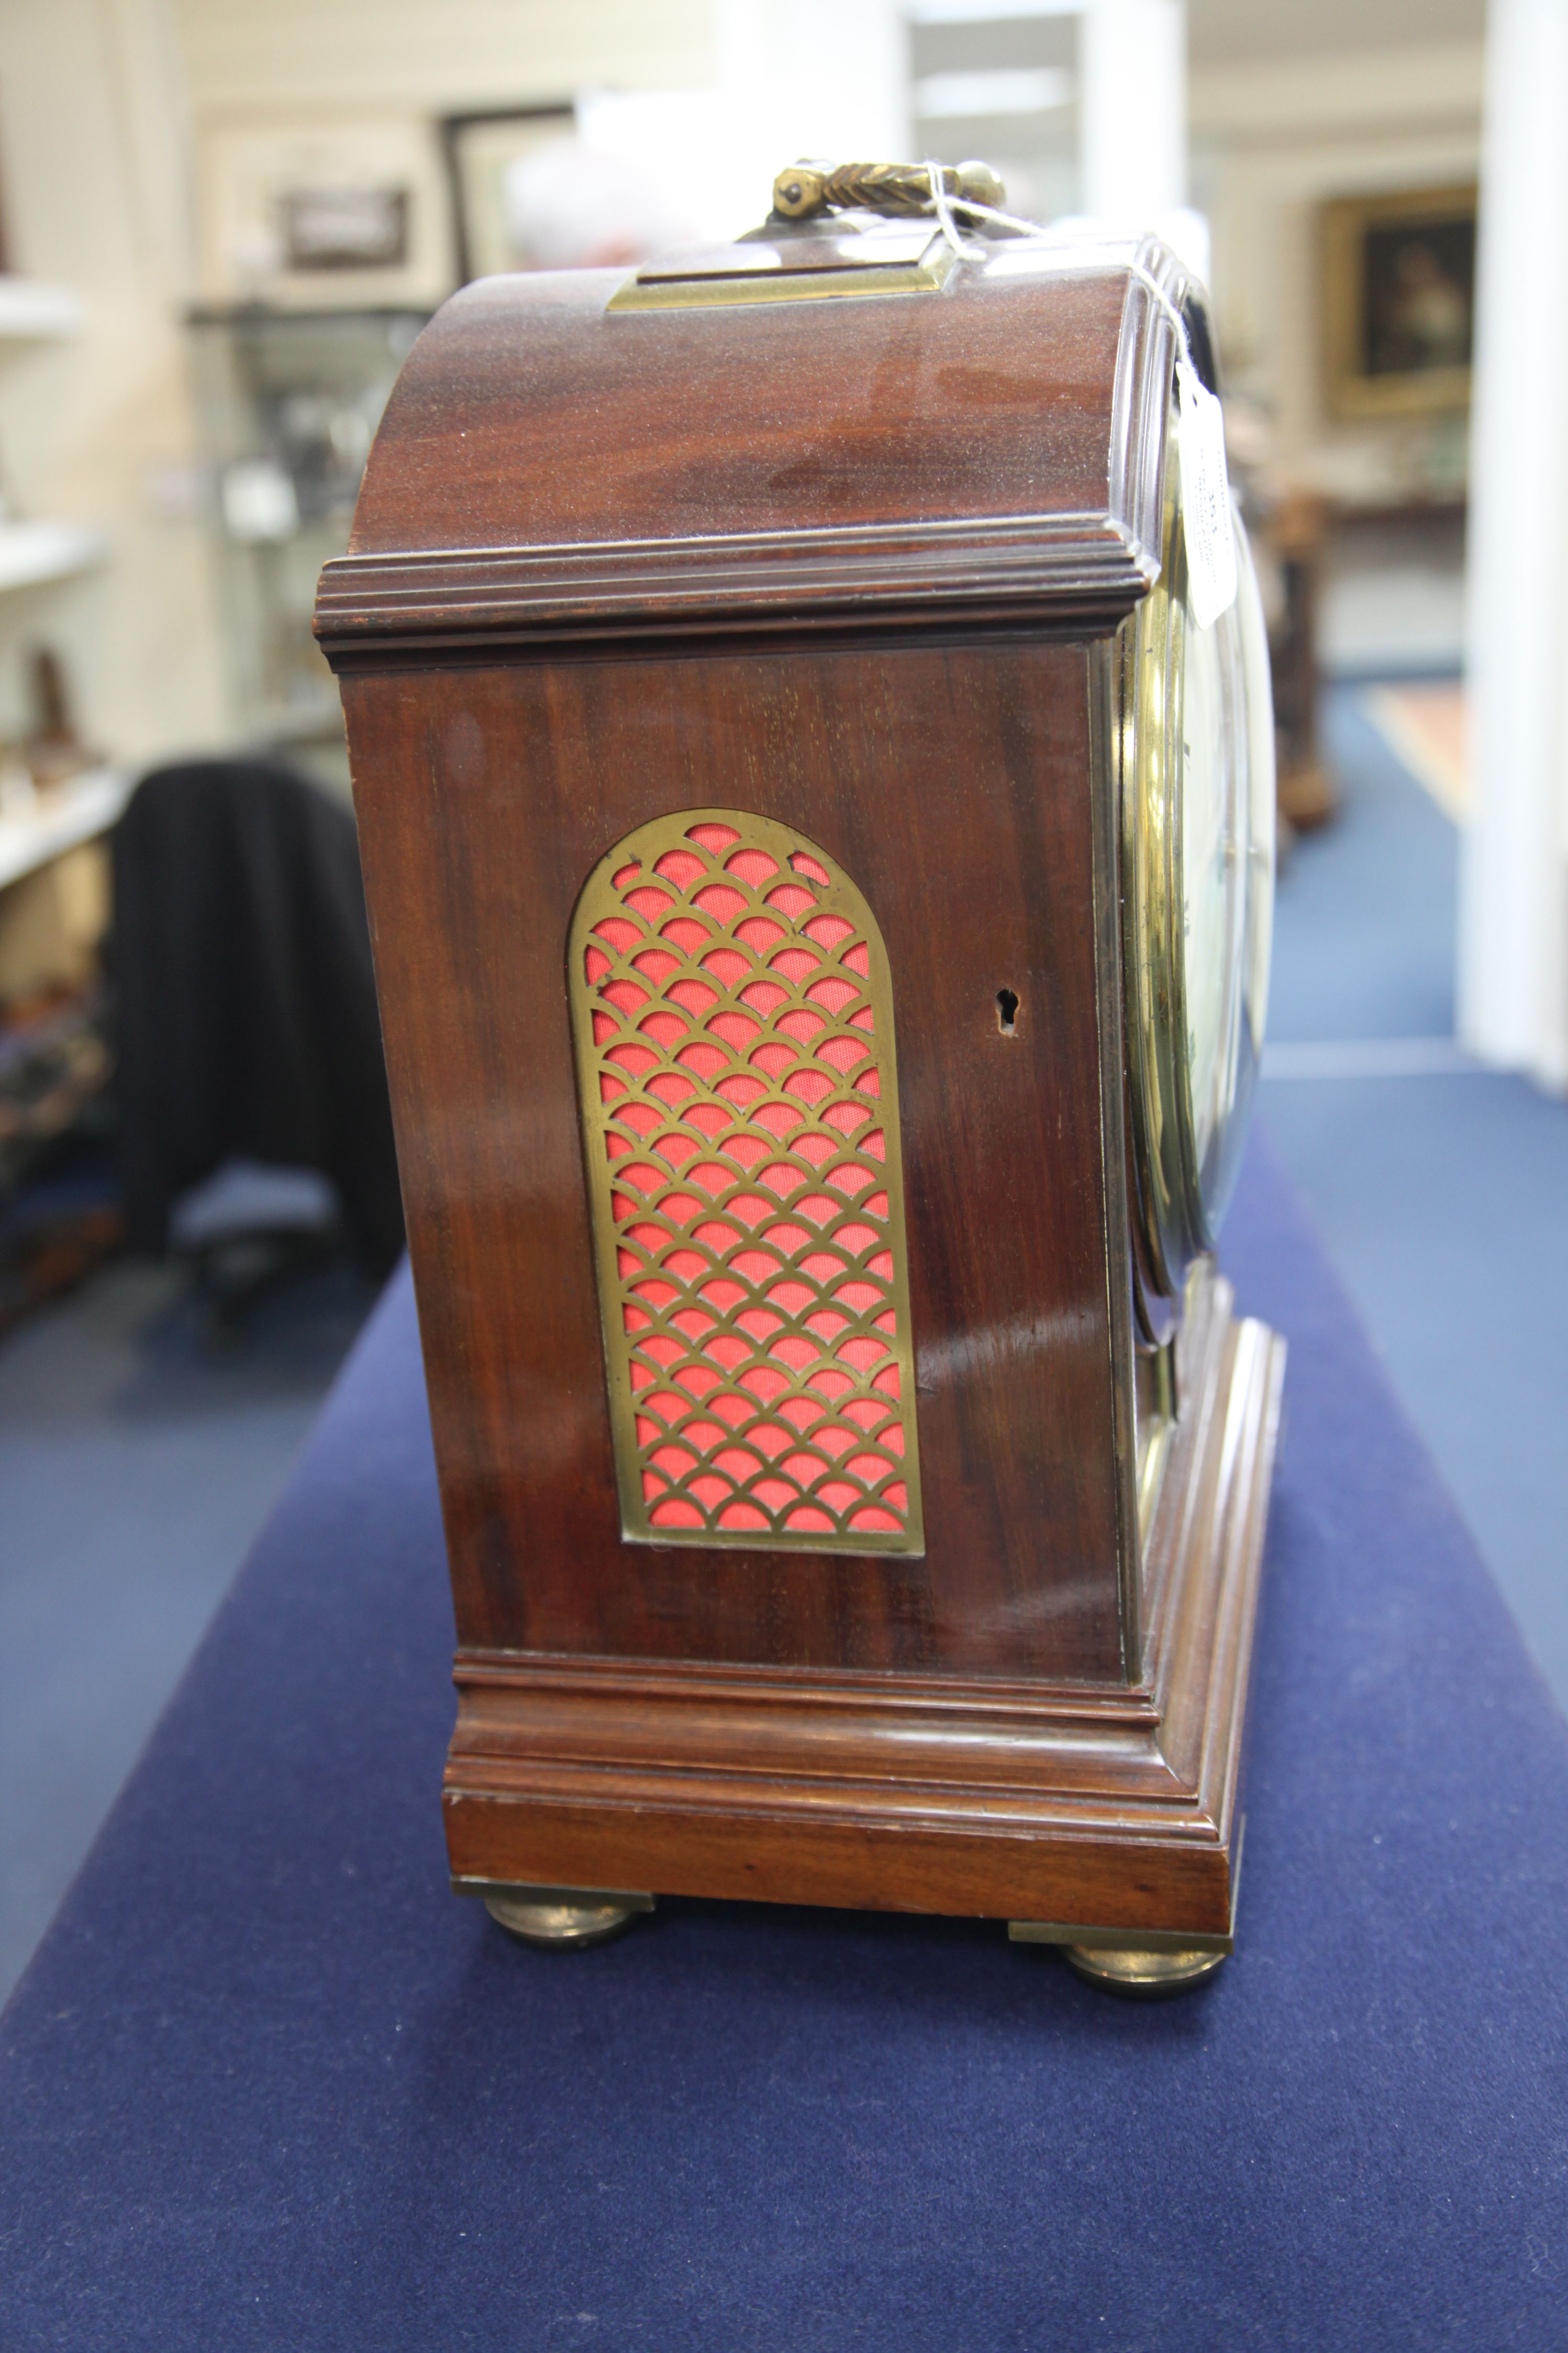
[(819, 857)]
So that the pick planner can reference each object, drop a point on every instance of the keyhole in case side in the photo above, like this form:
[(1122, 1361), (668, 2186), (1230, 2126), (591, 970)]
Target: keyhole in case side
[(1007, 1011)]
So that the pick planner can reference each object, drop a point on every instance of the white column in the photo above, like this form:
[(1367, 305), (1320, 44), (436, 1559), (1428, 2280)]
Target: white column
[(1132, 122), (817, 78), (1513, 898), (1132, 109)]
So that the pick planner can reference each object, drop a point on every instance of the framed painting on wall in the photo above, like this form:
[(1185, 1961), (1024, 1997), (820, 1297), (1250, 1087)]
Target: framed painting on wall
[(326, 212), (480, 149), (1399, 301)]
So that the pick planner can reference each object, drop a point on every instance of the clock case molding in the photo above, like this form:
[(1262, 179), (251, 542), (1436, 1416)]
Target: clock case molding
[(765, 556)]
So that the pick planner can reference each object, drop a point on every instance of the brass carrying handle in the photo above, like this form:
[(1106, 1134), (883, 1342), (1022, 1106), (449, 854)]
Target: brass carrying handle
[(803, 190)]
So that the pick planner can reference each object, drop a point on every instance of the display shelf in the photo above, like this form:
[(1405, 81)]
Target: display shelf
[(32, 553), (287, 404), (50, 1070), (30, 311), (76, 811)]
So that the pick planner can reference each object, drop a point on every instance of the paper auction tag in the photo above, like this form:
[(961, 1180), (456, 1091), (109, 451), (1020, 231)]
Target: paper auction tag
[(1206, 500)]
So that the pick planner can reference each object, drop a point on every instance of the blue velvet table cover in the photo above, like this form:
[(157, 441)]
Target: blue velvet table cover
[(268, 2084)]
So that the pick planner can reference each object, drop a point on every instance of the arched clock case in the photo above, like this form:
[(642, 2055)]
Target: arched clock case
[(820, 872)]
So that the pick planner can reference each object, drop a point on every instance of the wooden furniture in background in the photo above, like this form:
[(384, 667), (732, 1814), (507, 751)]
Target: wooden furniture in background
[(736, 681), (56, 1055), (1298, 533), (57, 800)]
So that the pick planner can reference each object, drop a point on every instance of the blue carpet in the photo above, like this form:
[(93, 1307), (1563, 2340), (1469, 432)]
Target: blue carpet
[(1443, 1202), (269, 2084), (1445, 1206), (1363, 927), (136, 1468)]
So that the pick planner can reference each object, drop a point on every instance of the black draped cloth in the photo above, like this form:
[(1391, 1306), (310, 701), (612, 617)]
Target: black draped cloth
[(248, 1016)]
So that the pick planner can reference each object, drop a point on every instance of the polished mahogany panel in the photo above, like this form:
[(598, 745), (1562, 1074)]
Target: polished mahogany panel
[(527, 415), (951, 781), (838, 580), (1114, 1808)]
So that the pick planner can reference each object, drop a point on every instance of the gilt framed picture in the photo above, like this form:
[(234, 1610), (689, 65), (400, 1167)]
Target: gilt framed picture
[(480, 148), (1399, 301), (333, 212)]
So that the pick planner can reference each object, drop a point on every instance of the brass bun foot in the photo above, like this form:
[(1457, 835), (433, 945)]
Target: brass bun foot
[(1137, 1973), (564, 1919)]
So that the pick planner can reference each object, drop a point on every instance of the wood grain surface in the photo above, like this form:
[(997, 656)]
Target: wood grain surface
[(769, 417), (854, 567), (546, 468), (1014, 1800), (941, 780)]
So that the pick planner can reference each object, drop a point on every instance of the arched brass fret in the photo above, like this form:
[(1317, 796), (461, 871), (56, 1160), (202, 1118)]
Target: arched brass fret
[(733, 1026)]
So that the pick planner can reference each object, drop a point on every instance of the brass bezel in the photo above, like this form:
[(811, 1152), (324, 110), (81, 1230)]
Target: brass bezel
[(1155, 1377), (1182, 1191), (1149, 735)]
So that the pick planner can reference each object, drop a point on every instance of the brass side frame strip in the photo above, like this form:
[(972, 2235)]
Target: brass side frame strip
[(633, 1899), (1116, 1206)]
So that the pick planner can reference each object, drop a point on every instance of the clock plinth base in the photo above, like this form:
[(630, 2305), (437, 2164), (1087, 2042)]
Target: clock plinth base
[(564, 1919), (1101, 1815), (1138, 1974)]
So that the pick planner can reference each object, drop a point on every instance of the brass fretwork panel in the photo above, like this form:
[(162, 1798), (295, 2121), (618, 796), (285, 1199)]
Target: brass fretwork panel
[(733, 1024)]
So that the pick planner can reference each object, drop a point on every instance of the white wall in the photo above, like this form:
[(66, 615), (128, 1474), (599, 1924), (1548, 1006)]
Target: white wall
[(435, 57), (113, 114), (769, 58), (271, 83), (1272, 140), (97, 429), (275, 83)]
